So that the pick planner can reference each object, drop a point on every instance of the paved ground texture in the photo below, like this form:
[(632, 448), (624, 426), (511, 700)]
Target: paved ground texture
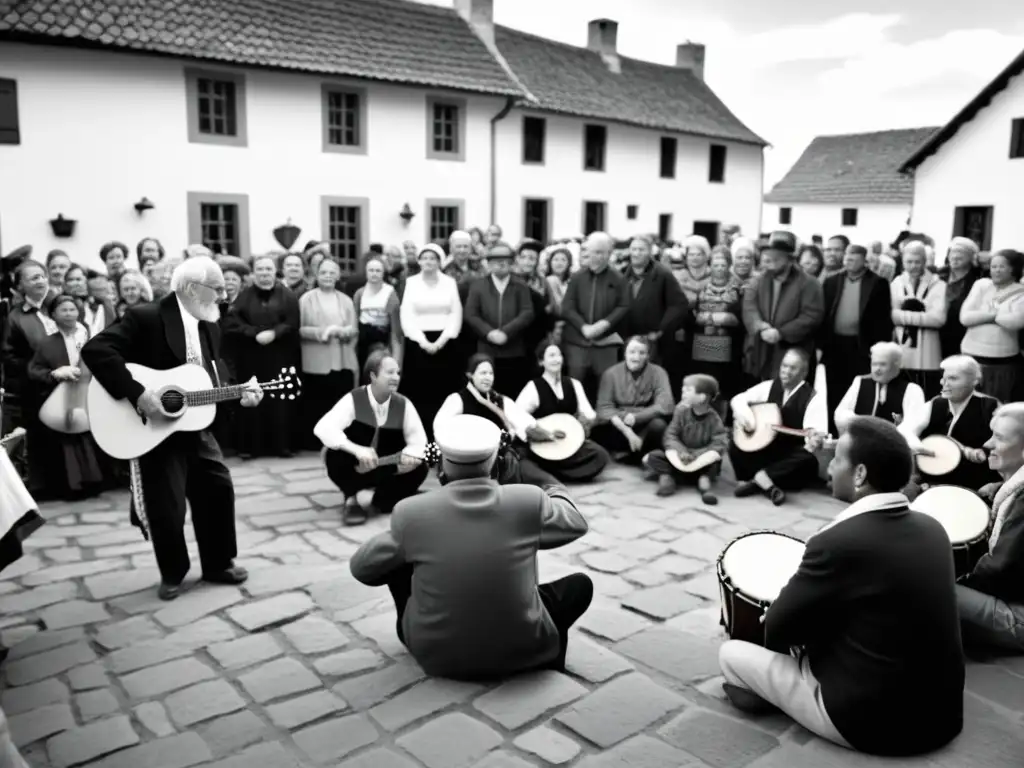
[(301, 667)]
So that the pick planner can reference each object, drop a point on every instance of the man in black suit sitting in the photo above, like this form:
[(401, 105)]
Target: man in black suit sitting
[(180, 328), (872, 610)]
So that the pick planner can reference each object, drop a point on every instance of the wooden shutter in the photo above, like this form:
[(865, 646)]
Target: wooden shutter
[(9, 133)]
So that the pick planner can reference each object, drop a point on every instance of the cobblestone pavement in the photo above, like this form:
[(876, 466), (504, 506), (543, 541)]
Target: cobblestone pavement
[(301, 666)]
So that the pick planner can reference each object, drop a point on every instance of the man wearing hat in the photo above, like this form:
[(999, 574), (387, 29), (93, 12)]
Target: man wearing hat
[(499, 310), (784, 311), (461, 565)]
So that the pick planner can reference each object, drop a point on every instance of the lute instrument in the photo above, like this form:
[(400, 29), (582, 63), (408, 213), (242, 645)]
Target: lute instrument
[(767, 426), (569, 437)]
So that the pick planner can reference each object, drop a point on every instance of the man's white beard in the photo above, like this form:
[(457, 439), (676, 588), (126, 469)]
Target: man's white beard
[(208, 312)]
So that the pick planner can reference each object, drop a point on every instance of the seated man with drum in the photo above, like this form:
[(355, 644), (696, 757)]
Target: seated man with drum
[(862, 645), (991, 596), (695, 442), (886, 392), (948, 433), (374, 438), (461, 565), (559, 404), (777, 423)]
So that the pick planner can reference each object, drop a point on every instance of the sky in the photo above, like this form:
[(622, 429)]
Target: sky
[(792, 70)]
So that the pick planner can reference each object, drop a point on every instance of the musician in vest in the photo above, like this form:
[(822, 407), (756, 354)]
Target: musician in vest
[(886, 392), (786, 464), (461, 565), (374, 438), (962, 413), (862, 645), (554, 392), (180, 328), (991, 597)]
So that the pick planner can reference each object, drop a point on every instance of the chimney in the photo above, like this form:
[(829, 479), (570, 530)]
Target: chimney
[(602, 35), (691, 56), (479, 14)]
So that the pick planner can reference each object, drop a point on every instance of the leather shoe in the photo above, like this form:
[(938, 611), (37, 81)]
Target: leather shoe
[(746, 700), (235, 574), (168, 591)]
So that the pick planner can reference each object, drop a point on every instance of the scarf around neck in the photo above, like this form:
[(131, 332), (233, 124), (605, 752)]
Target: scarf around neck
[(1005, 496)]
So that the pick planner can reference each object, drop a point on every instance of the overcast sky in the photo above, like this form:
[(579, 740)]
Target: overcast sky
[(793, 70)]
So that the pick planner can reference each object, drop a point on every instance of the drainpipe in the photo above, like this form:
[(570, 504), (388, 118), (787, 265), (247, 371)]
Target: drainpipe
[(509, 103)]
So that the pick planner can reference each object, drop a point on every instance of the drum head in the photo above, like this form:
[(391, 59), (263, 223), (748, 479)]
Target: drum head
[(760, 564), (703, 461), (963, 514), (947, 456), (559, 450)]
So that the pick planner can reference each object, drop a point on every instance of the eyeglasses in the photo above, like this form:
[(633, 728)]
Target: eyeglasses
[(220, 290)]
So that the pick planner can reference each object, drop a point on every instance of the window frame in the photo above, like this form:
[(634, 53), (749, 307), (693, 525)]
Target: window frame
[(604, 216), (442, 202), (328, 88), (1017, 138), (604, 148), (665, 232), (786, 215), (543, 121), (195, 136), (843, 217), (11, 135), (459, 155), (195, 201), (674, 143), (724, 149), (337, 201), (549, 210)]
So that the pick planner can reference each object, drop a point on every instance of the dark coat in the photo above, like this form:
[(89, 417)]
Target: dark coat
[(1000, 572), (254, 311), (659, 305), (798, 314), (606, 292), (875, 313), (23, 335), (487, 310), (50, 355)]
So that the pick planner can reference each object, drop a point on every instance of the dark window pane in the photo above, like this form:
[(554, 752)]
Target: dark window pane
[(716, 163), (669, 146), (219, 224), (594, 139), (534, 132)]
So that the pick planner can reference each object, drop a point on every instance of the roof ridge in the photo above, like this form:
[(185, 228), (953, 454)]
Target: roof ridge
[(876, 132)]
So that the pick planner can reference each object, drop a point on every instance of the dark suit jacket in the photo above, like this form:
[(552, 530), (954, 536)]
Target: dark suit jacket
[(512, 312), (150, 335), (50, 355), (659, 305), (874, 604), (474, 611), (1000, 572), (875, 313), (797, 317), (606, 292)]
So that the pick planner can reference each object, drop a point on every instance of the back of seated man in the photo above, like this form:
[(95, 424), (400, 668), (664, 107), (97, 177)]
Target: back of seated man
[(886, 392), (962, 413), (872, 609), (991, 597)]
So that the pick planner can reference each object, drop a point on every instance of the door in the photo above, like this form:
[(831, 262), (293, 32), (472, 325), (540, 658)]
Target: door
[(708, 230)]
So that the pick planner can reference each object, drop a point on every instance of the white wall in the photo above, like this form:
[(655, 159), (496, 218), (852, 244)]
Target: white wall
[(974, 168), (631, 177), (101, 130), (874, 222)]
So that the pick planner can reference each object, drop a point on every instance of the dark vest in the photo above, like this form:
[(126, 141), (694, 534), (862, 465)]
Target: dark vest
[(792, 412), (549, 402), (972, 429), (387, 439), (471, 407), (893, 405)]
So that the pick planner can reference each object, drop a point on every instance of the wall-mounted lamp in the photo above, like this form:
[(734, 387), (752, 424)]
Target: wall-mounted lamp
[(406, 213), (145, 204), (287, 234), (62, 227)]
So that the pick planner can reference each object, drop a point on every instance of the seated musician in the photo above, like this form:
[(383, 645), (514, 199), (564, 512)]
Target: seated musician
[(634, 404), (479, 398), (554, 392), (366, 425), (886, 392), (959, 412), (991, 597), (696, 429), (786, 464), (461, 565), (863, 650)]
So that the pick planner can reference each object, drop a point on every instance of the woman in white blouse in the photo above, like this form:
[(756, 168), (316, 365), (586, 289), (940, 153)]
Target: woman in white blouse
[(431, 315), (377, 308), (554, 392), (918, 314)]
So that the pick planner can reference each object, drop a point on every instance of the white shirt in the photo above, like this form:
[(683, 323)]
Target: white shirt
[(191, 325), (518, 419), (500, 283), (815, 417), (95, 318), (330, 430), (529, 398), (73, 343), (913, 399), (915, 422), (428, 307), (872, 503)]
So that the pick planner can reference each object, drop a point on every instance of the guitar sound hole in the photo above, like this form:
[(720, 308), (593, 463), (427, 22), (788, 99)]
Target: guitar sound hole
[(173, 402)]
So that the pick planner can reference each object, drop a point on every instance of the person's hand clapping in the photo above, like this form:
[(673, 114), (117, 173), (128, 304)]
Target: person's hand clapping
[(265, 337)]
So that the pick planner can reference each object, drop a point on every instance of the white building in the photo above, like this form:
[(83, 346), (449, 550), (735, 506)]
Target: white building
[(969, 178), (341, 117), (847, 185)]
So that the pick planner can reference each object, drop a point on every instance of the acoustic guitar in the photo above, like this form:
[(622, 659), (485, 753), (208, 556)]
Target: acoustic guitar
[(382, 461), (767, 426), (65, 409), (188, 403)]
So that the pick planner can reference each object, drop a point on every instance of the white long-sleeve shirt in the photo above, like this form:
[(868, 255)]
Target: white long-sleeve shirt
[(518, 419), (427, 307), (330, 430), (529, 398), (815, 417), (913, 400)]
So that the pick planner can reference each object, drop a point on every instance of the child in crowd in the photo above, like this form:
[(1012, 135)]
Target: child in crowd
[(695, 436)]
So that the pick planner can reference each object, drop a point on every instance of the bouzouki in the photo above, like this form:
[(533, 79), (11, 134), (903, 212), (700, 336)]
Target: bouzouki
[(568, 433), (767, 426), (188, 403), (65, 409)]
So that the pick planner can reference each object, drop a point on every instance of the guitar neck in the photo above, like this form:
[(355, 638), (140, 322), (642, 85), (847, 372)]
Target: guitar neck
[(215, 395), (792, 431), (385, 461)]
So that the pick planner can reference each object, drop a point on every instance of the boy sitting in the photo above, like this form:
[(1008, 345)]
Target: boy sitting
[(695, 441)]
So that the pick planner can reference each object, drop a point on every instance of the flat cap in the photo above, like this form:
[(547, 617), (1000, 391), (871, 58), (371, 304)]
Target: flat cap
[(782, 241), (500, 250), (468, 439)]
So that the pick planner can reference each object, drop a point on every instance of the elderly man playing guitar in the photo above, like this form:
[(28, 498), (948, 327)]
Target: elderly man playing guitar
[(179, 329), (787, 462)]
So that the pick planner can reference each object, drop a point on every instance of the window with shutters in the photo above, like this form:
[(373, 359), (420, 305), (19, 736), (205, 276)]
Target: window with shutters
[(445, 217), (344, 119), (343, 227), (446, 127), (216, 107), (10, 131), (220, 222)]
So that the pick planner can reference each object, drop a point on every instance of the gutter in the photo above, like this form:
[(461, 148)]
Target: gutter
[(510, 102)]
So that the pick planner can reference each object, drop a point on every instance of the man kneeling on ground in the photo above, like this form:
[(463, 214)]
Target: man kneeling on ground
[(461, 564)]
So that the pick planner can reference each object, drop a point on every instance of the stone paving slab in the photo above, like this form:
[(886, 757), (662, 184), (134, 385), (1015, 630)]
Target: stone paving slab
[(300, 667)]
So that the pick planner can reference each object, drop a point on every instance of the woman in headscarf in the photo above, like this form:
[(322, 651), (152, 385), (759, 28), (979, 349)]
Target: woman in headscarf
[(960, 272), (918, 313), (378, 312), (264, 325)]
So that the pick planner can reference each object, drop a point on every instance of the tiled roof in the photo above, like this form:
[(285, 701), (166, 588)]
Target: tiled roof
[(854, 168), (576, 81), (390, 40), (965, 115)]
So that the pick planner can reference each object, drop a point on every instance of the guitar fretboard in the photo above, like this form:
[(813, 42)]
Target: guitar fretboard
[(215, 395)]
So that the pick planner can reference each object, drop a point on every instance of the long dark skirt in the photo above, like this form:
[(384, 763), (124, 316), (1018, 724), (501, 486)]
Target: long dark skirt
[(428, 379), (73, 464), (369, 337), (586, 464), (320, 393), (1002, 378), (269, 429)]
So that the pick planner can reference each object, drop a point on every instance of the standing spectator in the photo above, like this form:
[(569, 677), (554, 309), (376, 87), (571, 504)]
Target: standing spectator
[(77, 284), (132, 289), (919, 313), (834, 253), (378, 313), (114, 256), (559, 272), (959, 273), (811, 261), (99, 310), (57, 265), (717, 336), (526, 269), (744, 261), (148, 251), (293, 275)]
